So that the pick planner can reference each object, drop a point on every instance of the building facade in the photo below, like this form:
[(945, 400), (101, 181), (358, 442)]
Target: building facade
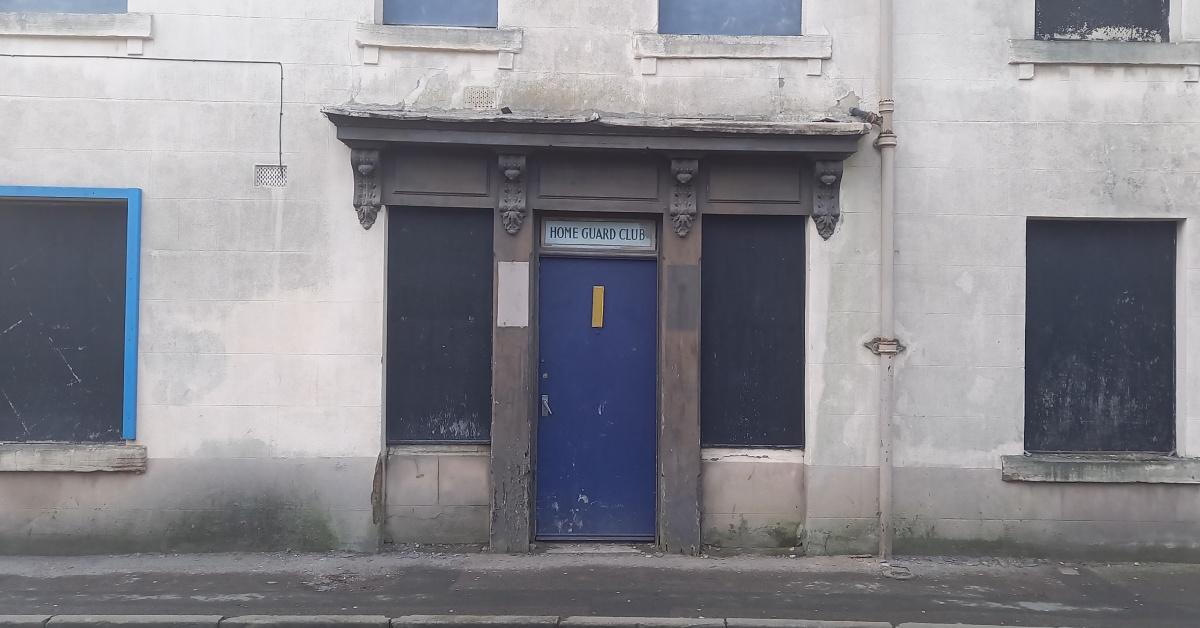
[(342, 273)]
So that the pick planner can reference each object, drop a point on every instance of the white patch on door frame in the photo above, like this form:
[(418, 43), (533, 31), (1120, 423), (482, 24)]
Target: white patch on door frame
[(512, 294)]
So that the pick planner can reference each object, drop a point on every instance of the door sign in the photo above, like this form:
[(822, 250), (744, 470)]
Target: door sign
[(599, 235)]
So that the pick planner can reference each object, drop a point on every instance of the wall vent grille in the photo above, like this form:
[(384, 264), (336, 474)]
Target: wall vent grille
[(270, 176), (480, 98)]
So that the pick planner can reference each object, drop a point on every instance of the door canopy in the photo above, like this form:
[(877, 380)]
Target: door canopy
[(379, 139)]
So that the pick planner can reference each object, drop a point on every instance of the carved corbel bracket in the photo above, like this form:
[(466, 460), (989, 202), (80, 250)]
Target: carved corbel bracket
[(827, 202), (368, 189), (513, 207), (683, 195)]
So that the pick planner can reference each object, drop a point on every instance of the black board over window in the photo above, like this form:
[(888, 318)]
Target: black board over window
[(62, 320), (1100, 336), (439, 325), (65, 6), (729, 17), (1103, 20), (752, 331), (482, 13)]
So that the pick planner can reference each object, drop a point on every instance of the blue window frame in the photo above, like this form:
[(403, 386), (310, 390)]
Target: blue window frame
[(481, 13), (65, 6), (729, 17), (61, 220)]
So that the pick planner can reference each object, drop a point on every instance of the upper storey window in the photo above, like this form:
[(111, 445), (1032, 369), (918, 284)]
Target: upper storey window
[(729, 17), (1103, 20), (440, 12), (65, 6)]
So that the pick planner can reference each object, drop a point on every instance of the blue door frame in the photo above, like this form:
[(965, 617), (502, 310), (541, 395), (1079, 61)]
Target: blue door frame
[(596, 469)]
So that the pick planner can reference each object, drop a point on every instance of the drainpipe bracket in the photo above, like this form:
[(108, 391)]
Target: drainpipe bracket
[(885, 346), (885, 139)]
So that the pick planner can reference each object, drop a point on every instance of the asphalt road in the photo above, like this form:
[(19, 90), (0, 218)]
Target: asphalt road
[(942, 590)]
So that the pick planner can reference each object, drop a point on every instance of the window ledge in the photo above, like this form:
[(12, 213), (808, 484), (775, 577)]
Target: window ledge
[(1029, 53), (650, 47), (751, 454), (83, 25), (465, 449), (72, 458), (372, 37), (1101, 469), (660, 46)]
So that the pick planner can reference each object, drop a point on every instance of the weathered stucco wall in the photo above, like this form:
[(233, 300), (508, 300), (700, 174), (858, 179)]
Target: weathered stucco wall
[(438, 494), (753, 498), (192, 505), (981, 150), (262, 309), (261, 313)]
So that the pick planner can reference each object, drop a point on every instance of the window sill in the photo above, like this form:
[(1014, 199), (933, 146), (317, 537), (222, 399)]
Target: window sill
[(374, 37), (72, 458), (1029, 53), (87, 25), (747, 454), (134, 28), (1101, 469), (650, 47), (465, 449)]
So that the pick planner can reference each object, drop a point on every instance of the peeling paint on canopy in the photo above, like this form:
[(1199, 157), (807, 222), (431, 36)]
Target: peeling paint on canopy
[(732, 125)]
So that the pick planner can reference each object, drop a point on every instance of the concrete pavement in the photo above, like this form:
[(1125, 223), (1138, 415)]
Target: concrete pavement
[(570, 588)]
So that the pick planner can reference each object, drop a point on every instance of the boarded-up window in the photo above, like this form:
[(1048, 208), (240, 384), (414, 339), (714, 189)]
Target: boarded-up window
[(1100, 336), (1103, 20), (440, 12), (752, 331), (729, 17), (439, 325), (62, 320), (65, 6)]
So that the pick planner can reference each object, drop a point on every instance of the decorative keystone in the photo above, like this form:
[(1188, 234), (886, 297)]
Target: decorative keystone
[(512, 193), (683, 195), (368, 190), (827, 202)]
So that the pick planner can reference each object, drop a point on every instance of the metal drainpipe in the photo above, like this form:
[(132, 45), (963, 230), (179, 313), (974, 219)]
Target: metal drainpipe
[(887, 346)]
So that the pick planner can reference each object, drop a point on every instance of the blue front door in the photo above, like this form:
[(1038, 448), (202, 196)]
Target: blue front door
[(597, 384)]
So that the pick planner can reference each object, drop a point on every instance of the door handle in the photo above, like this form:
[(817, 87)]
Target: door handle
[(546, 406)]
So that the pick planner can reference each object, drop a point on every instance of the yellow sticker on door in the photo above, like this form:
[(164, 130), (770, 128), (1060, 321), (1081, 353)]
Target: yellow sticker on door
[(597, 307)]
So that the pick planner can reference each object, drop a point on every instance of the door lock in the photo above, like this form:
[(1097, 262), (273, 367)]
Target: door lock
[(546, 406)]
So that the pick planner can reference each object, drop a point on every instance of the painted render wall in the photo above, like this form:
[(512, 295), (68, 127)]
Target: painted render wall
[(980, 150), (260, 398), (262, 313), (261, 383)]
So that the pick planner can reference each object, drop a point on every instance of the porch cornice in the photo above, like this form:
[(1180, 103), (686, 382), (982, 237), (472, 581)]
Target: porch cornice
[(378, 127)]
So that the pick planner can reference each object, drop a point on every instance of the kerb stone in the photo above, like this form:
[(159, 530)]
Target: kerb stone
[(118, 621), (640, 622), (442, 621), (23, 621), (802, 623), (311, 621)]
